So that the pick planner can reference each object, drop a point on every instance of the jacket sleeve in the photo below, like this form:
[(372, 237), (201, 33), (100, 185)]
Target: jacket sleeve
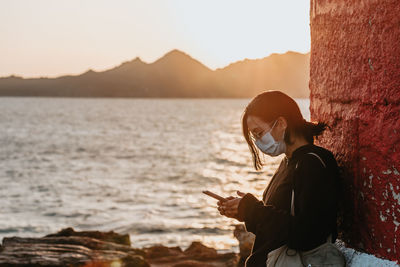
[(314, 203), (314, 198), (258, 217)]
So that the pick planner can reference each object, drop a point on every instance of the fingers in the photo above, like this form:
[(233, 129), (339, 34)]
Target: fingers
[(230, 208), (219, 203), (231, 204), (221, 210), (224, 212), (232, 213)]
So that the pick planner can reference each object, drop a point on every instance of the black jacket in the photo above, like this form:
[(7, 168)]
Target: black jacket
[(315, 205)]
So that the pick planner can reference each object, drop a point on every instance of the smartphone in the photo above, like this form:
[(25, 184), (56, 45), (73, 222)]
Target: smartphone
[(211, 194)]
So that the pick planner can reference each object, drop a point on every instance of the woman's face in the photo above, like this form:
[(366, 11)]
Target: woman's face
[(258, 127)]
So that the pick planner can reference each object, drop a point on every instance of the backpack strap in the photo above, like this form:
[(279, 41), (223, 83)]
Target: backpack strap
[(323, 163), (312, 153), (292, 201)]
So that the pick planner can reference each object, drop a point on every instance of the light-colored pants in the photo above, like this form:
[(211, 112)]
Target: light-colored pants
[(326, 254)]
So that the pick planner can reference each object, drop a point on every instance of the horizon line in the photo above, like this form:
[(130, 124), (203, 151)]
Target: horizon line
[(175, 49)]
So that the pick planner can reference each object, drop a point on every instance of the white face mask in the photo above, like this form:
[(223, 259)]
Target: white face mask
[(269, 146)]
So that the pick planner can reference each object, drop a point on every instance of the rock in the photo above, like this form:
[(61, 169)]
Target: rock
[(73, 250), (198, 251), (159, 251), (190, 263), (105, 249), (104, 236), (196, 254)]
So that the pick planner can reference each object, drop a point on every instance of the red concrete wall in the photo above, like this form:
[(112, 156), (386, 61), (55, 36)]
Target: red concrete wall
[(355, 88)]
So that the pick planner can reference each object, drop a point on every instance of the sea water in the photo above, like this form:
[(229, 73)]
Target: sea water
[(134, 166)]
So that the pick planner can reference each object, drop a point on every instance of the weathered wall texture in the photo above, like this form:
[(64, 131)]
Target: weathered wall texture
[(355, 88)]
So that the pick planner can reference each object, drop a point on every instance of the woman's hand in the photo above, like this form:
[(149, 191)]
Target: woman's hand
[(229, 208)]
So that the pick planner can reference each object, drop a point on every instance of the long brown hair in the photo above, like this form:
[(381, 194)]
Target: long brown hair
[(268, 106)]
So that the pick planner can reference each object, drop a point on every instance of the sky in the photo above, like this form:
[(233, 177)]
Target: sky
[(49, 38)]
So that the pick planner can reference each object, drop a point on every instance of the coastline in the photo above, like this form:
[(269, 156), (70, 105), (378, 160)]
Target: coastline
[(94, 248)]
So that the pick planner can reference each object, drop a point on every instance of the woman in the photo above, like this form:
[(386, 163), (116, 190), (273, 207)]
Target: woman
[(299, 206)]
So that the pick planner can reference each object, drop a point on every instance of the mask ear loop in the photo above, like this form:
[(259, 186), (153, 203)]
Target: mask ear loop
[(273, 125), (254, 138), (284, 132), (273, 128)]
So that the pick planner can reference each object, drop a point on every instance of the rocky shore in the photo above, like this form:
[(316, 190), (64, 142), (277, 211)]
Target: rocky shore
[(109, 249), (103, 249)]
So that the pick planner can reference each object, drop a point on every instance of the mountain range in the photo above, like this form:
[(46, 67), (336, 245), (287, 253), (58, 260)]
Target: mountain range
[(176, 74)]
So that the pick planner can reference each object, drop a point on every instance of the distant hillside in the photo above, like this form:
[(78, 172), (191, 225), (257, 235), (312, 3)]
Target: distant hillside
[(176, 74)]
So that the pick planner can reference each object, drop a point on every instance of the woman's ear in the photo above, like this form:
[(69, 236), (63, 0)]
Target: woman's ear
[(282, 123)]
